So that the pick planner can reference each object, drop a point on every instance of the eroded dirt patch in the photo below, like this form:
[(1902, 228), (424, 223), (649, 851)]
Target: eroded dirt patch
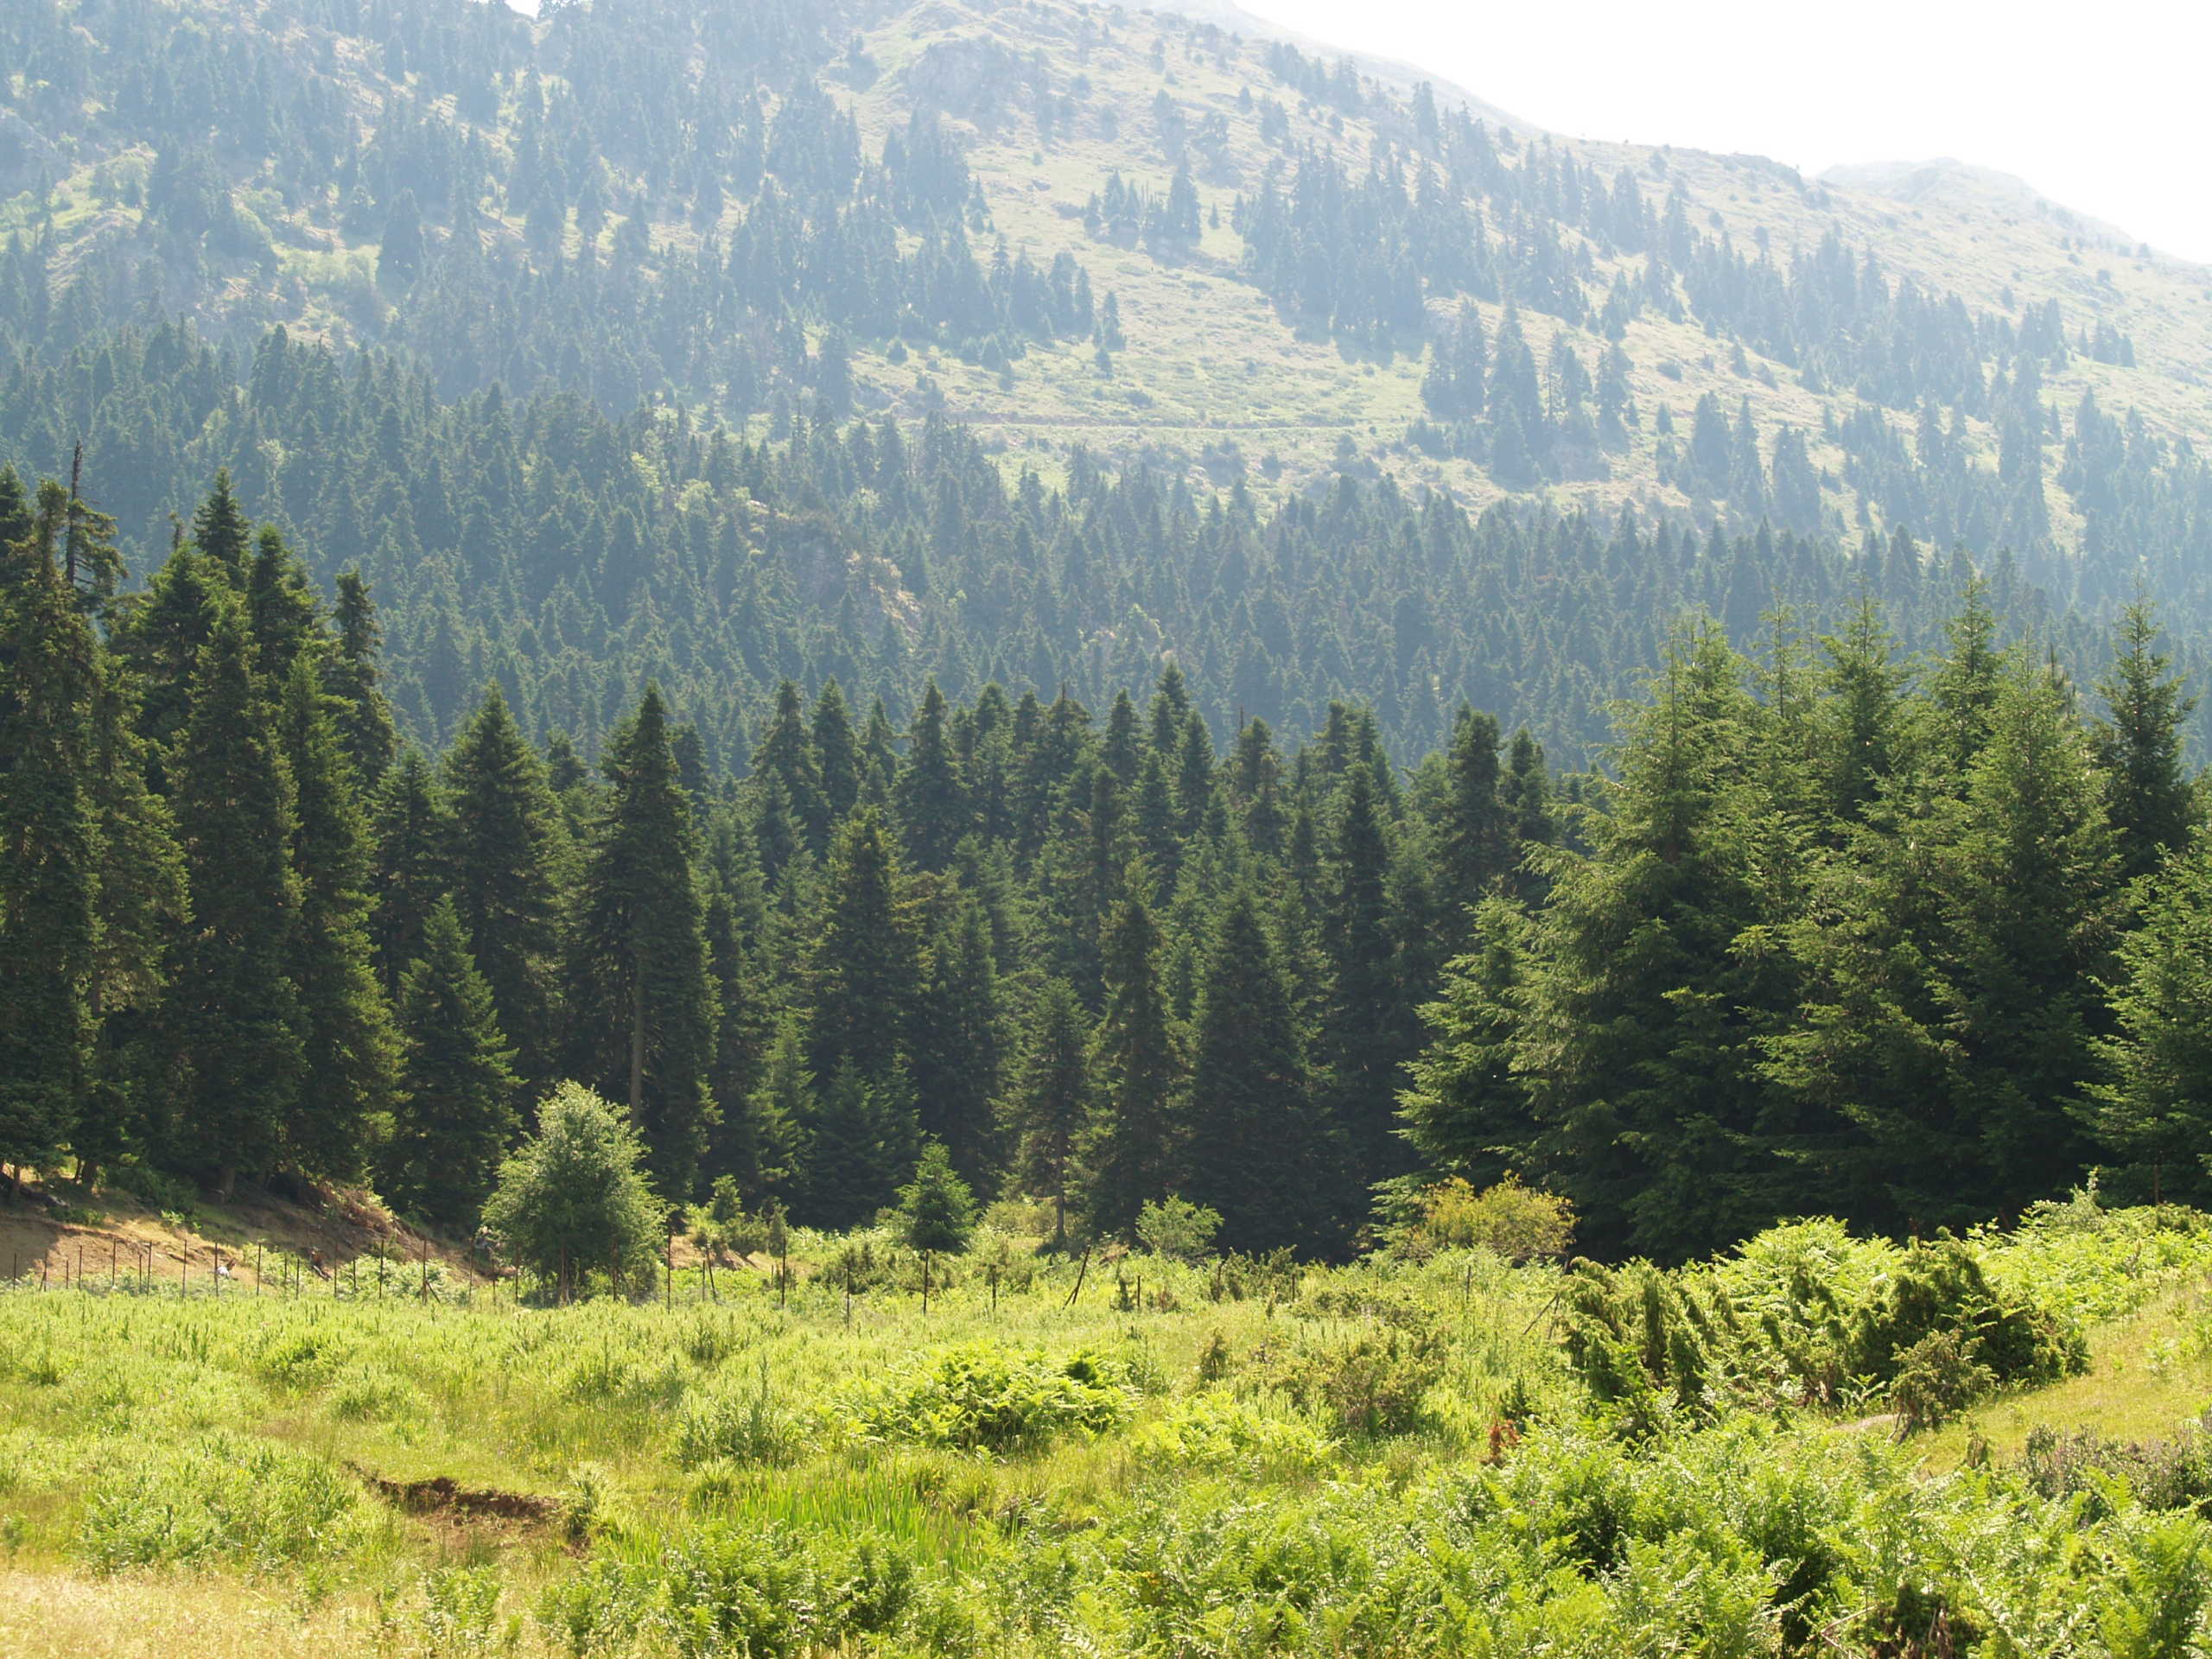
[(442, 1496)]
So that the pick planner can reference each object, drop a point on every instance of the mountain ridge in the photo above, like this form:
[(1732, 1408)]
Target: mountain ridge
[(1144, 268)]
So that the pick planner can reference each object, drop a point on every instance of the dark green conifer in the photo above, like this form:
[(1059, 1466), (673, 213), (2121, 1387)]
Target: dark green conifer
[(863, 968), (453, 1118), (234, 1019), (640, 1008), (2138, 745), (1130, 1146), (412, 833), (49, 842), (1254, 1148), (349, 1047), (352, 675), (507, 844), (932, 794), (1051, 1100)]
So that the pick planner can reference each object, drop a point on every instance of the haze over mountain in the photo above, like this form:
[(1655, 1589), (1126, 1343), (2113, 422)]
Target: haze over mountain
[(1129, 255)]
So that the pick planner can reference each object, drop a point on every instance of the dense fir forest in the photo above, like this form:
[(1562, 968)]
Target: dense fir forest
[(1913, 939), (573, 558), (606, 652), (588, 342)]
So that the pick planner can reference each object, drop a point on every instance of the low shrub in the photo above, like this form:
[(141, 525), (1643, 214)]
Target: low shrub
[(251, 1504), (1938, 1377), (983, 1397), (2175, 1473), (1805, 1314), (1227, 1433), (1177, 1229), (739, 1424), (1517, 1222), (154, 1188), (1943, 1286), (1372, 1382), (726, 1591)]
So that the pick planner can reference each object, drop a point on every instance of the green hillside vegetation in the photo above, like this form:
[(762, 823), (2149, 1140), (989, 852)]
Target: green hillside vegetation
[(1421, 1453), (1912, 940), (995, 827), (1109, 248)]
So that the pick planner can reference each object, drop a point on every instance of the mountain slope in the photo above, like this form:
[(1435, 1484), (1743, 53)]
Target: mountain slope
[(1111, 246)]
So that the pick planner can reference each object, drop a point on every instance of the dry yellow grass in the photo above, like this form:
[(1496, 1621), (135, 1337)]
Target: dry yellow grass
[(66, 1615)]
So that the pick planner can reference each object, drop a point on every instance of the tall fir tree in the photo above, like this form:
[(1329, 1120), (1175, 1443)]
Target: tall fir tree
[(2150, 1101), (412, 870), (349, 1047), (353, 676), (778, 1119), (756, 1152), (506, 855), (1254, 1150), (2138, 744), (640, 1005), (860, 1146), (1367, 1032), (863, 967), (1644, 1014), (234, 1018), (454, 1119), (932, 794), (141, 910), (959, 1043), (49, 838), (1463, 1110), (1051, 1100), (2028, 892), (1130, 1148)]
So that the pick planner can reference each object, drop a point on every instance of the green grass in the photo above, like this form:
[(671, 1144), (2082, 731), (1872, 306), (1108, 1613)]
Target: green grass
[(1305, 1471)]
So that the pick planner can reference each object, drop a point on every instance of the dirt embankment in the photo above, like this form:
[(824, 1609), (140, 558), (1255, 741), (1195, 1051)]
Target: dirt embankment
[(56, 1233)]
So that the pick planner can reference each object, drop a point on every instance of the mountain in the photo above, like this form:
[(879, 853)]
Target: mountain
[(1116, 274)]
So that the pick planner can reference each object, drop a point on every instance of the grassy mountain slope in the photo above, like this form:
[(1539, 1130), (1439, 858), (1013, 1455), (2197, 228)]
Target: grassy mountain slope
[(1210, 359), (1126, 252)]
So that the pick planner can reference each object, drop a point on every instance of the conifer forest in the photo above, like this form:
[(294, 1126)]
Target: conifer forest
[(1010, 827)]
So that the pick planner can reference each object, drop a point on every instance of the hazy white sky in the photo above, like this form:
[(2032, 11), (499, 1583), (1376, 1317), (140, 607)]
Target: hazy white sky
[(2101, 107)]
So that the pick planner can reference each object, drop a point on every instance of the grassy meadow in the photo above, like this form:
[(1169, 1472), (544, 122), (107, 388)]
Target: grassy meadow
[(1417, 1454)]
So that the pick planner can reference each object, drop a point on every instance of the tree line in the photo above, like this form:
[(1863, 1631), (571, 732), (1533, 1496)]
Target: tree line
[(1909, 941)]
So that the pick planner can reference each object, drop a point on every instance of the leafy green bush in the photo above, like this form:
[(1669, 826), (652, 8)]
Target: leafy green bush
[(1374, 1381), (739, 1425), (575, 1198), (1938, 1377), (1509, 1220), (1943, 1286), (247, 1503), (1805, 1314), (2087, 1264), (1226, 1433), (1177, 1229), (728, 1590), (981, 1396)]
